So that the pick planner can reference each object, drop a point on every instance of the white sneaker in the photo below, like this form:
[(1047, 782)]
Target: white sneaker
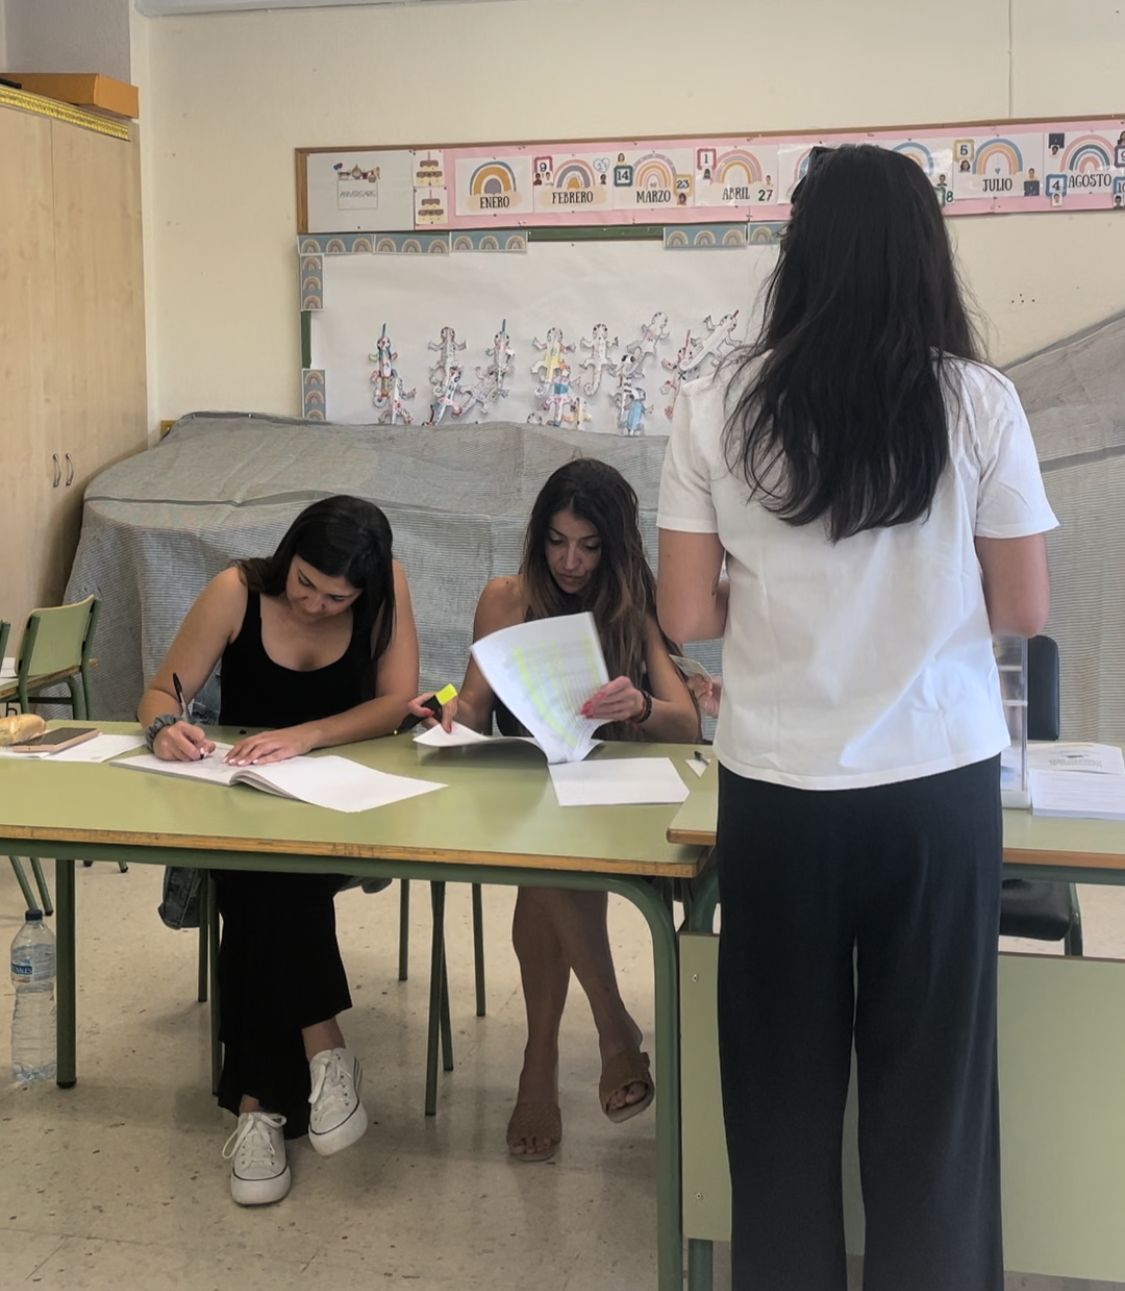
[(259, 1172), (337, 1118)]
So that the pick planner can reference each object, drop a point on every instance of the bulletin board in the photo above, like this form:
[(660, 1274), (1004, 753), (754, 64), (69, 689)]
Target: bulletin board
[(446, 284)]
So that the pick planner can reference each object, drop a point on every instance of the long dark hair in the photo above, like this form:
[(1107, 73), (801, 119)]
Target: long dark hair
[(621, 593), (841, 413), (342, 537)]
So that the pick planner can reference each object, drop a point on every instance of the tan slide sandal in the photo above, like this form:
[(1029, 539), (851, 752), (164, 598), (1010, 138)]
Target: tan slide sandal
[(532, 1120), (629, 1067)]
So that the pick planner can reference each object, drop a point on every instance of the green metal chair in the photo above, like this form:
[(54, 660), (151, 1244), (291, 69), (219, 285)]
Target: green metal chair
[(55, 649)]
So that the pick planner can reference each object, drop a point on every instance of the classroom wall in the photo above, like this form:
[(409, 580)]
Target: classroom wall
[(66, 36), (228, 97)]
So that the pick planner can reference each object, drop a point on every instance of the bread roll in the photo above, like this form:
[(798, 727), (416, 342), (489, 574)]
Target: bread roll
[(21, 728)]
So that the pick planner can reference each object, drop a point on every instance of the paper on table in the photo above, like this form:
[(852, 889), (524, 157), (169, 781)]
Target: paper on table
[(544, 671), (100, 749), (333, 782), (1055, 755), (437, 737), (617, 782), (1079, 794), (8, 669)]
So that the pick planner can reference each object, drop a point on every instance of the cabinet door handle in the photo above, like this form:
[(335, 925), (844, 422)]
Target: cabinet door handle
[(69, 470), (57, 471)]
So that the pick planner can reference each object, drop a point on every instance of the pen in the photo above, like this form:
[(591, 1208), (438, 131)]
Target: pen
[(698, 757), (180, 696)]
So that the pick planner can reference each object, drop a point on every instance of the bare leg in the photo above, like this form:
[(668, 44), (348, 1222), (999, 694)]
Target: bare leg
[(321, 1036), (545, 973), (573, 926), (247, 1103)]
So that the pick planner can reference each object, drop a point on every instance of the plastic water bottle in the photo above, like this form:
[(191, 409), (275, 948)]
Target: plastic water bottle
[(33, 1022)]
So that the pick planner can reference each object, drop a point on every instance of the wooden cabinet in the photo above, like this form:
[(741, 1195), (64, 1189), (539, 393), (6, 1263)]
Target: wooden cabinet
[(72, 353)]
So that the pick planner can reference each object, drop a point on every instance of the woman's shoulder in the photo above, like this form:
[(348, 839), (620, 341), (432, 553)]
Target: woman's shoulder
[(503, 601), (224, 597)]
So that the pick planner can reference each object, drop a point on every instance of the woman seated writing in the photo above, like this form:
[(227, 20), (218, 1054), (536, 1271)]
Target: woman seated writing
[(582, 551), (317, 643)]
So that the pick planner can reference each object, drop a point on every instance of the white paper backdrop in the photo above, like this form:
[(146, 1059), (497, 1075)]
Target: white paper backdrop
[(572, 286)]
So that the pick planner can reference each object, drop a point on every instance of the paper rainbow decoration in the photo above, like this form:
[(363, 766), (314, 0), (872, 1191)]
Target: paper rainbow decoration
[(654, 172), (492, 178), (738, 165), (573, 175), (998, 157), (1087, 153)]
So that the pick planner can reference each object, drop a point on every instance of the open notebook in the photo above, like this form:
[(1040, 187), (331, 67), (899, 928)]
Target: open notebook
[(327, 781)]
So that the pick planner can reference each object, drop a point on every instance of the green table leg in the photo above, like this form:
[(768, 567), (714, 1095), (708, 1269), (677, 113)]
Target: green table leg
[(201, 989), (404, 930), (669, 1225), (705, 898), (478, 947), (66, 1074), (437, 981), (700, 1264)]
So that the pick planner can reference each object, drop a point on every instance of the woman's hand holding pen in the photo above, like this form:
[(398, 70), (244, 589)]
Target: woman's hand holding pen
[(182, 742)]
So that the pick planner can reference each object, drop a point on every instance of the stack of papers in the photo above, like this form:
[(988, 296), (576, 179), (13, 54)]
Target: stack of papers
[(1078, 781), (544, 671), (333, 782)]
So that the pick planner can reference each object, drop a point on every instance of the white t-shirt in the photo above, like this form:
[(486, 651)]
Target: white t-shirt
[(869, 660)]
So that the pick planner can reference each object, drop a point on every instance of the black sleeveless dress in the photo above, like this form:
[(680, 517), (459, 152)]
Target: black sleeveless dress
[(279, 962)]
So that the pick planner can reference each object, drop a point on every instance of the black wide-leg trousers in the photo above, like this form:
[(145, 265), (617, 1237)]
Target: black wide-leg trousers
[(871, 913), (279, 971)]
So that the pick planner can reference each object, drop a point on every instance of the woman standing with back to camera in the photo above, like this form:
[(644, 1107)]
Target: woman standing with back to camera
[(874, 489)]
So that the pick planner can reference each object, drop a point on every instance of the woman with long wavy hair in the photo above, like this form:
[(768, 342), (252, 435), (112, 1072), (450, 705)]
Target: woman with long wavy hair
[(873, 490), (582, 552)]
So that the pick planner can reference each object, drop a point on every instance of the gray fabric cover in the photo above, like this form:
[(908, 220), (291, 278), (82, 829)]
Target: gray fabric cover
[(158, 525), (1074, 393)]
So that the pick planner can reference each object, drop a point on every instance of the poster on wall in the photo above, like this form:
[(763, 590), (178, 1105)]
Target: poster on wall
[(590, 336), (360, 191), (974, 170)]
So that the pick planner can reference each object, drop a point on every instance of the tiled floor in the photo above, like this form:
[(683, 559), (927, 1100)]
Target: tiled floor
[(119, 1183)]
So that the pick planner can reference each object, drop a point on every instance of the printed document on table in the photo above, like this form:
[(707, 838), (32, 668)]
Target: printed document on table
[(1086, 795), (616, 782), (544, 671), (1060, 755)]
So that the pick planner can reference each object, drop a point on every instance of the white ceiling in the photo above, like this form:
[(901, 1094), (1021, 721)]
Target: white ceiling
[(159, 8)]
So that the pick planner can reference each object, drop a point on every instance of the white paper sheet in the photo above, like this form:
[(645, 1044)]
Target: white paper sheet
[(8, 669), (544, 671), (333, 782), (100, 749), (1056, 755), (1080, 794), (460, 737), (617, 782)]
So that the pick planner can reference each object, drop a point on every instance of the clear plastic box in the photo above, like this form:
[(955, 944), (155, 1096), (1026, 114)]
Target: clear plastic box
[(1011, 660)]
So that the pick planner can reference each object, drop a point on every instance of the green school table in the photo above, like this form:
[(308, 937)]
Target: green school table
[(1062, 1051), (496, 822)]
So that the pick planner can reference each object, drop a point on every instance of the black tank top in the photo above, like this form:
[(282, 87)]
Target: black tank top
[(255, 691)]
